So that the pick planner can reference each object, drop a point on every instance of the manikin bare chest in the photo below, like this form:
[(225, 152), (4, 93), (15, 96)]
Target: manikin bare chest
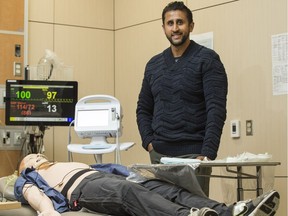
[(58, 174)]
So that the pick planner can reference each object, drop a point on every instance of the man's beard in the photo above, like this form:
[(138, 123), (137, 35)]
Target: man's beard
[(178, 43)]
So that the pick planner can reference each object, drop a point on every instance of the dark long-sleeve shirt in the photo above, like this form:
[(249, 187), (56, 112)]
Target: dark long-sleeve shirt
[(182, 105)]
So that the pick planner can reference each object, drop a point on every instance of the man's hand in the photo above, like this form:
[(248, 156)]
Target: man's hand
[(203, 158), (150, 147)]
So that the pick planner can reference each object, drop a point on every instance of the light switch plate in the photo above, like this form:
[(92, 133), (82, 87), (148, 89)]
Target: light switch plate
[(235, 128)]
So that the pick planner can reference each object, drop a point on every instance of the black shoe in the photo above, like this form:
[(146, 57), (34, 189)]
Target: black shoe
[(264, 205)]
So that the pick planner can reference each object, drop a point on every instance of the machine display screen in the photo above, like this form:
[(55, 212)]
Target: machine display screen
[(100, 118)]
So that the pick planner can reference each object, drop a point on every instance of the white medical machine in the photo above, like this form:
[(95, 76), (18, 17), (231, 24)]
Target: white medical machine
[(98, 117)]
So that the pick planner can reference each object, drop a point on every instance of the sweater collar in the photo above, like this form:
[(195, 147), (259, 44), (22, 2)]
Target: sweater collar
[(169, 58)]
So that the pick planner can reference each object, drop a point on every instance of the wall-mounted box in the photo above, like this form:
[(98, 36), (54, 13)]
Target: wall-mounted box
[(2, 95)]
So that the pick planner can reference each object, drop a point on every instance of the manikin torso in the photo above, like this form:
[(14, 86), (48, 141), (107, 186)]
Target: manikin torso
[(58, 174)]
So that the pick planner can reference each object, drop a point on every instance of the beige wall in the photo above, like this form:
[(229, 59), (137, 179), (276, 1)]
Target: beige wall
[(82, 36), (242, 36), (109, 42)]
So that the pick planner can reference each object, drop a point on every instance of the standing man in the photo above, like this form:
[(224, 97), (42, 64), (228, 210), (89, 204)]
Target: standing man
[(181, 108)]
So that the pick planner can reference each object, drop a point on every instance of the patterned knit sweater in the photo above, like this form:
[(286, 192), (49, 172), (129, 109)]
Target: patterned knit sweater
[(181, 107)]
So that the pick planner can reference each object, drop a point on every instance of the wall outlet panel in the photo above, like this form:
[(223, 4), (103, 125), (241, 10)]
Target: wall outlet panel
[(11, 138), (249, 128)]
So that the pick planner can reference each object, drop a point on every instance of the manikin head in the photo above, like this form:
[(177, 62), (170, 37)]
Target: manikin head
[(32, 161)]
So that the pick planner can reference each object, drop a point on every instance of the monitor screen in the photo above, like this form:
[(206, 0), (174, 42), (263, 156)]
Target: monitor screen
[(100, 118), (40, 102)]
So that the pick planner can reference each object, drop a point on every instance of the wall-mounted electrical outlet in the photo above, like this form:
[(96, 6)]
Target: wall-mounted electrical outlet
[(18, 138), (17, 69), (249, 128)]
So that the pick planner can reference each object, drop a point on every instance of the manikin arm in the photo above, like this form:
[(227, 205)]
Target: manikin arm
[(39, 201)]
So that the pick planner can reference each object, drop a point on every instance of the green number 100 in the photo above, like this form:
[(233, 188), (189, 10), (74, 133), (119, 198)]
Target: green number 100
[(23, 94)]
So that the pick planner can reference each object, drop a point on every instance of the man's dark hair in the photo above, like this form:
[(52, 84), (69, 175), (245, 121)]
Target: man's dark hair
[(177, 5)]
